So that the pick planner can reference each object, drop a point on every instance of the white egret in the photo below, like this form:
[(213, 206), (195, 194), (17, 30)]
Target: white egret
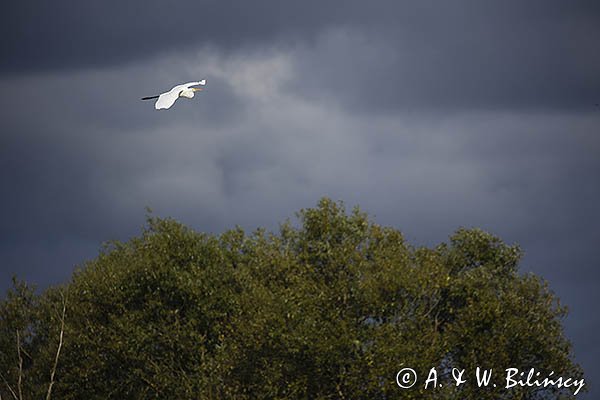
[(167, 99)]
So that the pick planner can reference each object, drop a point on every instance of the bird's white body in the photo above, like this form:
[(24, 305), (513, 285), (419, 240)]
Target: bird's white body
[(166, 100)]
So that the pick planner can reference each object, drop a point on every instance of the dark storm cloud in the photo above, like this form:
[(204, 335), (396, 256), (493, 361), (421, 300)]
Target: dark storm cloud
[(487, 64), (71, 34), (429, 115), (444, 55)]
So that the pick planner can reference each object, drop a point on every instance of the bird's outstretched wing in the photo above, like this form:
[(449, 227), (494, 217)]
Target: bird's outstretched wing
[(166, 100), (190, 84)]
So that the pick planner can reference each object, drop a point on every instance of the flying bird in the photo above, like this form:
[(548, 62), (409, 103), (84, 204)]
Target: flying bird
[(167, 99)]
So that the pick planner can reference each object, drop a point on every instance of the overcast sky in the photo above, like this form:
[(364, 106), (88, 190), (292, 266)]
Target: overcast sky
[(428, 115)]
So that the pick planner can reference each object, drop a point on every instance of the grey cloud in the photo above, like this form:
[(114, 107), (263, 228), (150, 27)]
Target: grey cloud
[(469, 39), (71, 34), (517, 66), (389, 55)]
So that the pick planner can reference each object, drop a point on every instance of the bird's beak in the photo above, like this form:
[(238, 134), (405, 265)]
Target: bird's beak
[(196, 89)]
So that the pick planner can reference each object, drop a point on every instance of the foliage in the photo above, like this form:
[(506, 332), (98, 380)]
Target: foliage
[(330, 309)]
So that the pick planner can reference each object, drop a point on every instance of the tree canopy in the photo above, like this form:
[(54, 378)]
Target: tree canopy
[(330, 307)]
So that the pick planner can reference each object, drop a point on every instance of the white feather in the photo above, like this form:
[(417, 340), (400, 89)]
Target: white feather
[(166, 100)]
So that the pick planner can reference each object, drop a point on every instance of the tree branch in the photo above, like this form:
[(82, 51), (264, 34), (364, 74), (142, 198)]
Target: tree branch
[(60, 343), (9, 387), (20, 379)]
